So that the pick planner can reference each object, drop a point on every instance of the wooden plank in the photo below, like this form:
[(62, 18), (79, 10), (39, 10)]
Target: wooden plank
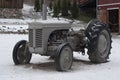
[(108, 1)]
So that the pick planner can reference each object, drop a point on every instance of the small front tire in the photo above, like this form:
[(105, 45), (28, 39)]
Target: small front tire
[(21, 54), (64, 57)]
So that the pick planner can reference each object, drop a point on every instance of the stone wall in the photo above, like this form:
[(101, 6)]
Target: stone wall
[(10, 13)]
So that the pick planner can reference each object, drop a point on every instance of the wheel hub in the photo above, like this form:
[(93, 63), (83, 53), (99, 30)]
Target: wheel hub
[(21, 54), (65, 58), (102, 44)]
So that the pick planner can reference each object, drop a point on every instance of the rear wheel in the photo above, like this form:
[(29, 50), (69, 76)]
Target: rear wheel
[(99, 45), (64, 57), (21, 54)]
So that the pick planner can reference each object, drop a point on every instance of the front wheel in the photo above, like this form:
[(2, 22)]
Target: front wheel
[(64, 57), (21, 54)]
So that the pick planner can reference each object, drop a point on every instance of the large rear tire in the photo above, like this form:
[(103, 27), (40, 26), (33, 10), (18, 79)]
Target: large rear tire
[(99, 45), (21, 54)]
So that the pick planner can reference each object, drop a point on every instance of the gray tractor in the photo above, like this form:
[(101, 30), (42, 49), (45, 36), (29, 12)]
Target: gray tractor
[(59, 40)]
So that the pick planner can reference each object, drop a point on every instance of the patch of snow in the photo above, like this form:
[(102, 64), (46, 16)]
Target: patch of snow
[(5, 28), (12, 21), (29, 13), (52, 21), (26, 8)]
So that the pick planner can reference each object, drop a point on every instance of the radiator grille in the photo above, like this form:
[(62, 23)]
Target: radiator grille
[(31, 37), (38, 38)]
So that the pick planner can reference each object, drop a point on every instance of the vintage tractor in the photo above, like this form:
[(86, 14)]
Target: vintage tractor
[(57, 39)]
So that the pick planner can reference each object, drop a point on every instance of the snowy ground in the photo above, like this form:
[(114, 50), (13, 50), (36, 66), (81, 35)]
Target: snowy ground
[(41, 68)]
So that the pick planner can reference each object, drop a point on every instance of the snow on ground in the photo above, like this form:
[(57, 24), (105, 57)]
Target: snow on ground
[(41, 68), (5, 28)]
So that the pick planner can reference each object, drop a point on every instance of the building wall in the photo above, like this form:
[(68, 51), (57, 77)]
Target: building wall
[(103, 6), (108, 1), (103, 15)]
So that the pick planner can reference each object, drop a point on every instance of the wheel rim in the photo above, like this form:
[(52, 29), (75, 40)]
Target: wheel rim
[(66, 58), (104, 43), (23, 53)]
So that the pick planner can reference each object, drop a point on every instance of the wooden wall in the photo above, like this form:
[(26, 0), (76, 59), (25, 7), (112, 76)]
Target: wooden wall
[(11, 4)]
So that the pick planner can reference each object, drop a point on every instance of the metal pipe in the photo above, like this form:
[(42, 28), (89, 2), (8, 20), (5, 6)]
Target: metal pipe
[(97, 9), (44, 10)]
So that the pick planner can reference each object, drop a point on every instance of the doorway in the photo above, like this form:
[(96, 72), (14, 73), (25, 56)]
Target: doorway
[(113, 20)]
